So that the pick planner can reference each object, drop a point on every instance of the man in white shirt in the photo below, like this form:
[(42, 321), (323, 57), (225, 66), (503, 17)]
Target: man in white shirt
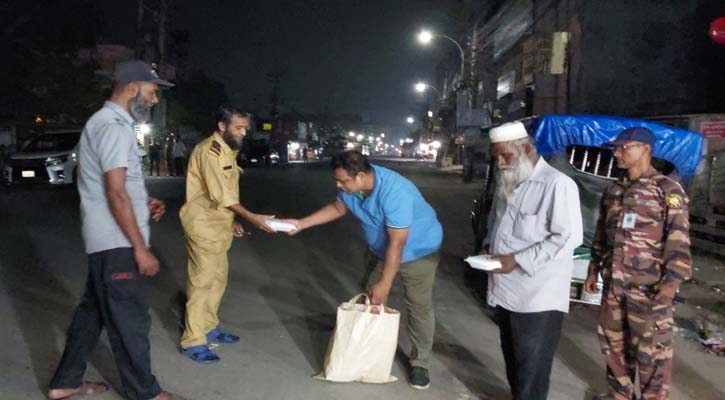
[(179, 154), (534, 226)]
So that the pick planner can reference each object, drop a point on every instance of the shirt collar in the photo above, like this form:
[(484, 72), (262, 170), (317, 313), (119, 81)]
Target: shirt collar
[(537, 174), (120, 111), (646, 176), (376, 185)]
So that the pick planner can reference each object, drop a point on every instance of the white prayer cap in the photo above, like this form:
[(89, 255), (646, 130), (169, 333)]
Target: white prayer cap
[(508, 132)]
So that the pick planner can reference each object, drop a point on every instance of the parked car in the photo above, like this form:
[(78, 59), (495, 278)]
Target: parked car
[(50, 157), (572, 144)]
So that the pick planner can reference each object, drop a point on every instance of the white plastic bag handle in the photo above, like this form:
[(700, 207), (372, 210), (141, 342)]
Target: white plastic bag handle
[(355, 299)]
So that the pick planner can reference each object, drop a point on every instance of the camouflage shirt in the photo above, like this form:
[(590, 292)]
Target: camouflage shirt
[(642, 236)]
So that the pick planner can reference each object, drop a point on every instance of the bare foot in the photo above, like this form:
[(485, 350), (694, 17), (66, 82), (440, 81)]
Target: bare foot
[(169, 396), (85, 389)]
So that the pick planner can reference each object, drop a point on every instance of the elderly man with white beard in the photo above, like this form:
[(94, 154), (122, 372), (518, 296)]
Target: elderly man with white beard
[(534, 226)]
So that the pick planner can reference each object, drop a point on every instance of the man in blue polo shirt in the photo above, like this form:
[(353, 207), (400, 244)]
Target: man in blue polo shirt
[(403, 233)]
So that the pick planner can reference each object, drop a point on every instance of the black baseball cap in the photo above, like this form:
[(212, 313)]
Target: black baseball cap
[(636, 134), (138, 71)]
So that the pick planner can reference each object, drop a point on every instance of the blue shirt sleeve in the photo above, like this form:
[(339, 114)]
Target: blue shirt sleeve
[(398, 208), (344, 198)]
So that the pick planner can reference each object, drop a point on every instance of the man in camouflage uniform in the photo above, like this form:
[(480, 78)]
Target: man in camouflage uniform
[(642, 250)]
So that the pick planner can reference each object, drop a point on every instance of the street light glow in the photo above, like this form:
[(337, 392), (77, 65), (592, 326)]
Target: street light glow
[(382, 134), (360, 138), (420, 87), (410, 120), (425, 36), (351, 133), (430, 114)]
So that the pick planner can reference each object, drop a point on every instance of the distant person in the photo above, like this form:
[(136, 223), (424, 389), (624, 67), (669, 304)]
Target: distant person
[(212, 203), (115, 210), (178, 152), (154, 157), (641, 249), (534, 226), (168, 151), (402, 231)]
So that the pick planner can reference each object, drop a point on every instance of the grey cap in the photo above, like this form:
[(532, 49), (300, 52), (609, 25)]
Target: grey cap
[(138, 71)]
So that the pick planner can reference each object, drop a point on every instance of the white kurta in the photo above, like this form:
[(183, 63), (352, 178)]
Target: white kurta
[(541, 225)]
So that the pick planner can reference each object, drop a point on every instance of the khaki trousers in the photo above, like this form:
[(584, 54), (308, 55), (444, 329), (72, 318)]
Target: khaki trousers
[(208, 274), (417, 278)]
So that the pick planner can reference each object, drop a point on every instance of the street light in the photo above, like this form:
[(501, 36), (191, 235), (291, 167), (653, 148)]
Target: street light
[(410, 120), (351, 133), (426, 36), (421, 87), (430, 114), (145, 129)]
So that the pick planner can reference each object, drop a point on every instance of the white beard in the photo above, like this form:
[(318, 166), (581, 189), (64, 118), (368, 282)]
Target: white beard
[(507, 178)]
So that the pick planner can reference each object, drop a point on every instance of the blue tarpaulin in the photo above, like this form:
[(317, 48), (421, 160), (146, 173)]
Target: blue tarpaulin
[(553, 133)]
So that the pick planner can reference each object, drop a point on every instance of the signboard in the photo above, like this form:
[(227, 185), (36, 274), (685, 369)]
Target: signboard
[(712, 129), (717, 30)]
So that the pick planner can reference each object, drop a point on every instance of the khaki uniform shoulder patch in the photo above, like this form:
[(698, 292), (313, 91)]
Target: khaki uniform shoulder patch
[(674, 200), (215, 148)]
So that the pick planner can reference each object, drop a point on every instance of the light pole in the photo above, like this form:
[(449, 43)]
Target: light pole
[(426, 36)]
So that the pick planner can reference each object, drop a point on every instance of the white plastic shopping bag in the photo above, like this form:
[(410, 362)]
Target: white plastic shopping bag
[(363, 344)]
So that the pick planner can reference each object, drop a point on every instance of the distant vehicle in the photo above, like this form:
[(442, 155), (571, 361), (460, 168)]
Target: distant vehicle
[(262, 154), (50, 157)]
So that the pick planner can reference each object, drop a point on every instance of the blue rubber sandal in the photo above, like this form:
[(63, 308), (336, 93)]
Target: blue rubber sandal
[(217, 336), (201, 354)]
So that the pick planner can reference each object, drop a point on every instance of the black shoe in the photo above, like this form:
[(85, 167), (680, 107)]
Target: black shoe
[(419, 378)]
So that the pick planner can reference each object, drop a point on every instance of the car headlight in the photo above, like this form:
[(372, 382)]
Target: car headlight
[(51, 161)]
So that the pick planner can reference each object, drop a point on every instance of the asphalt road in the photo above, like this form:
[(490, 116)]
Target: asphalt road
[(281, 299)]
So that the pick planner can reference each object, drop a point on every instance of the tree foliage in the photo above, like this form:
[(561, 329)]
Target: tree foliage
[(41, 73), (194, 101)]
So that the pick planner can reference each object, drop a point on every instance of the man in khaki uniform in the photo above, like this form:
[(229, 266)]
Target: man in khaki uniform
[(212, 200)]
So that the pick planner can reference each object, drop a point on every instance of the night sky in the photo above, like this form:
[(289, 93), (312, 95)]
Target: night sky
[(357, 56)]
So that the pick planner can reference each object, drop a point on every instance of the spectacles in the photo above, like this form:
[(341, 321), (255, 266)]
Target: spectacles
[(624, 147)]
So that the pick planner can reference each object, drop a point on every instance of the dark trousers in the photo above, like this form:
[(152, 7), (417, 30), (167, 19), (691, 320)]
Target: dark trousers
[(154, 164), (179, 163), (116, 297), (528, 342)]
